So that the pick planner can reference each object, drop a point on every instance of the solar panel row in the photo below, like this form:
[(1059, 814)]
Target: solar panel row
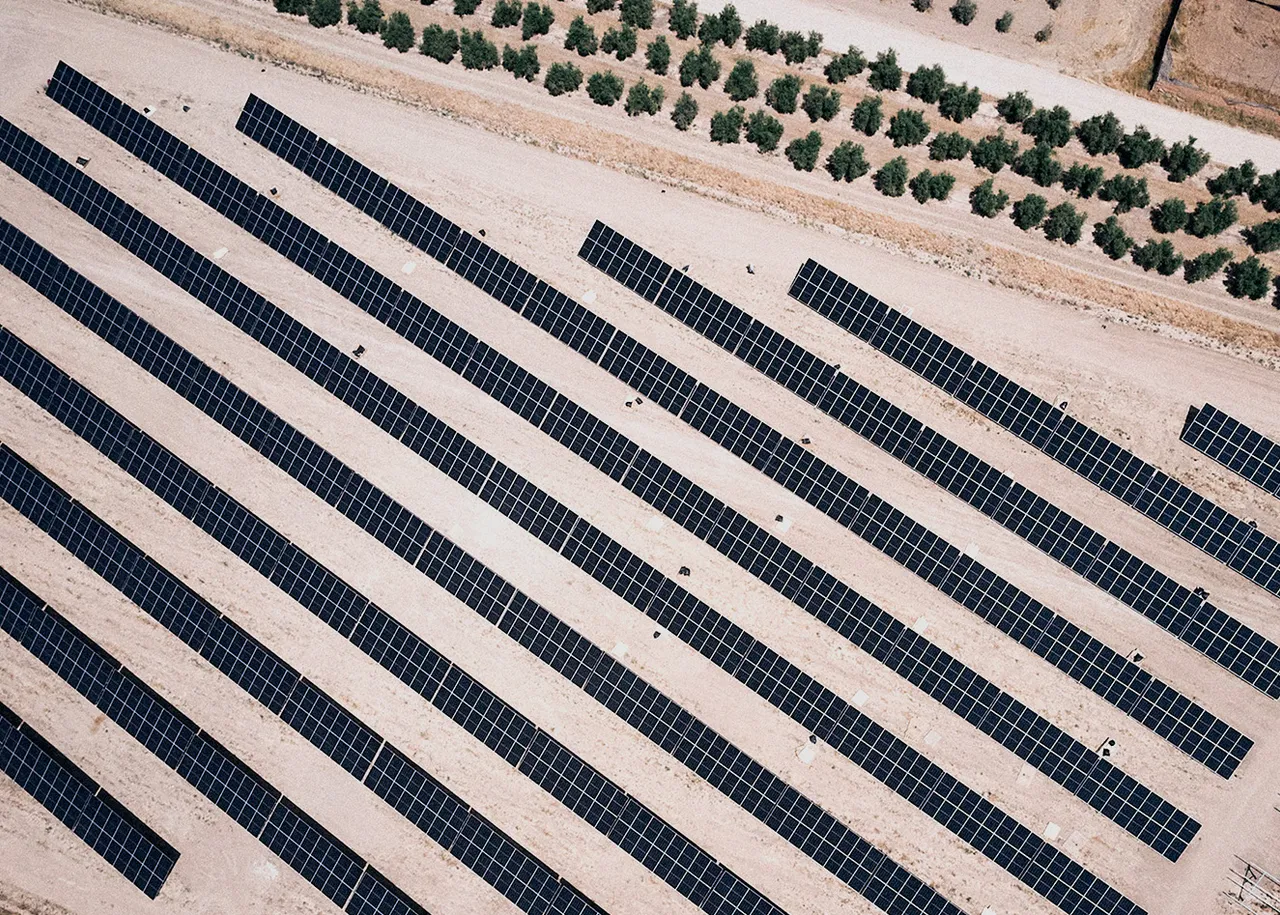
[(643, 477), (1171, 715), (951, 803), (1108, 466), (67, 792), (1178, 610), (1235, 446), (688, 739), (302, 843), (740, 777)]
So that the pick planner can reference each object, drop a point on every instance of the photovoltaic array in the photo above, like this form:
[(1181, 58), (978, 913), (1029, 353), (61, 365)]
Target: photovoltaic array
[(63, 788), (301, 842), (240, 200), (1169, 714), (1175, 608), (332, 729), (1108, 466), (704, 751), (1235, 446)]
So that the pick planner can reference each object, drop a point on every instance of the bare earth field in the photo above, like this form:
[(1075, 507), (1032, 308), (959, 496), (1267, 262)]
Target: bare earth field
[(1129, 353)]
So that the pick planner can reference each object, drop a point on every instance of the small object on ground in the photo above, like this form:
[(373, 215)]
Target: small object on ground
[(630, 403), (656, 633), (81, 161), (1062, 406), (359, 351), (779, 518), (751, 269), (684, 269), (186, 108), (684, 570), (482, 233), (275, 192), (805, 441)]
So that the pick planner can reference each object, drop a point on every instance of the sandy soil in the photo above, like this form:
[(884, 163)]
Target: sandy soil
[(536, 206), (1231, 47)]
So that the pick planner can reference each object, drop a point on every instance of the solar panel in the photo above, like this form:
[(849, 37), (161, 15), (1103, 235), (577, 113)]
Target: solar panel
[(469, 703), (302, 843), (66, 791), (1177, 609), (1121, 682), (1108, 466), (1235, 446)]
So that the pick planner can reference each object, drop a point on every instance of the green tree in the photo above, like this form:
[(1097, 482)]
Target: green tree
[(964, 11), (1063, 223), (1040, 165), (506, 13), (477, 52), (1169, 216), (803, 152), (724, 27), (1233, 181), (684, 19), (847, 162), (764, 131), (1205, 265), (465, 7), (621, 42), (1082, 179), (599, 6), (1015, 107), (658, 55), (1212, 217), (439, 44), (1005, 22), (325, 13), (821, 103), (726, 126), (644, 100), (562, 78), (867, 116), (699, 66), (764, 36), (1029, 212), (782, 94), (885, 75), (1045, 33), (948, 146), (842, 66), (922, 6), (1049, 125), (926, 186), (1183, 160), (521, 63), (1266, 192), (908, 128), (637, 13), (398, 32), (1139, 148), (537, 21), (1264, 237), (1125, 192), (1159, 256), (604, 88), (986, 201), (684, 111), (369, 18), (959, 103), (1248, 278), (1101, 134), (993, 152), (891, 178), (741, 83), (1111, 237), (926, 83), (293, 7), (794, 46), (581, 38)]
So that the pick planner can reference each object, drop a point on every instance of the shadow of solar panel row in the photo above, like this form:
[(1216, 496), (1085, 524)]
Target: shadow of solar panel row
[(970, 816), (764, 795), (299, 841), (612, 811), (1177, 609), (66, 791), (333, 730), (1102, 462), (1235, 446), (1024, 732)]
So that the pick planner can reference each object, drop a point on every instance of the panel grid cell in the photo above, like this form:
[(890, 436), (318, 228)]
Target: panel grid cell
[(1235, 446)]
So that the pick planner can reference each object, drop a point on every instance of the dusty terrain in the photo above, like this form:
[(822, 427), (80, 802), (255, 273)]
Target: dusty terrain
[(1130, 363)]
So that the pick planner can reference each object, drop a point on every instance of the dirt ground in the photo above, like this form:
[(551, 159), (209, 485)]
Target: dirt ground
[(1230, 48), (536, 205)]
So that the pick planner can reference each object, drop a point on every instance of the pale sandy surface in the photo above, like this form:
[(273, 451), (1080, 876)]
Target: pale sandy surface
[(537, 206)]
